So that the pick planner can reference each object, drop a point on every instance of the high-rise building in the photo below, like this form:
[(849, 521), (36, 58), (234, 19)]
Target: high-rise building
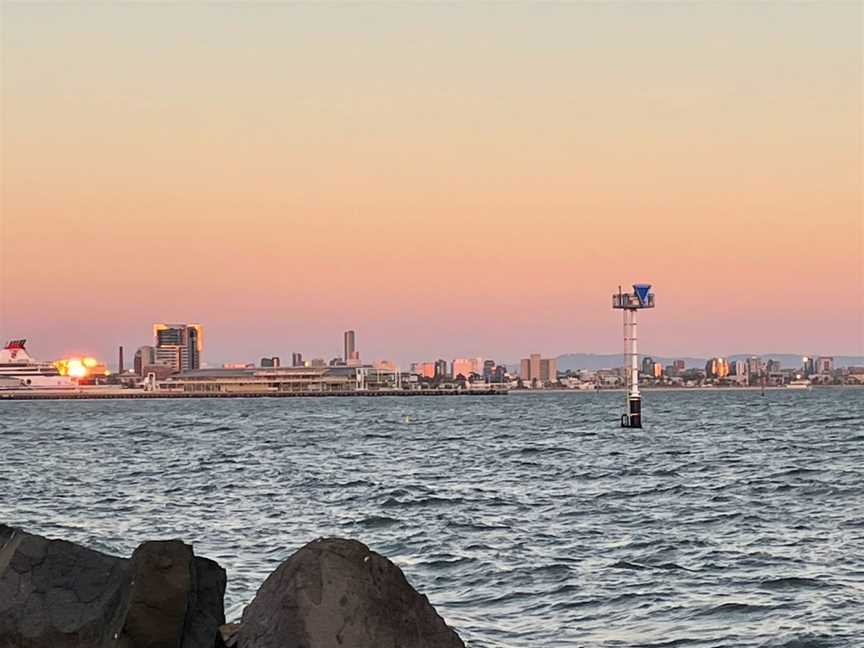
[(467, 366), (717, 368), (535, 368), (548, 370), (349, 346), (425, 369), (120, 361), (754, 366), (824, 365), (534, 364), (296, 359), (179, 345), (648, 366), (808, 366), (270, 362), (678, 365), (773, 366), (145, 356), (440, 368), (658, 369), (488, 370)]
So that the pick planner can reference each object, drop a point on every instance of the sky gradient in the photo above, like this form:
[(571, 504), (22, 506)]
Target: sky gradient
[(448, 180)]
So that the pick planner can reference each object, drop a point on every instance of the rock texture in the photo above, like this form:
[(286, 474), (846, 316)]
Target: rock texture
[(175, 599), (336, 593), (55, 594)]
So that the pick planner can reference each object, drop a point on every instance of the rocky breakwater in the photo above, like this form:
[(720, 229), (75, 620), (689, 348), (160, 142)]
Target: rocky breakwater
[(332, 593), (56, 594)]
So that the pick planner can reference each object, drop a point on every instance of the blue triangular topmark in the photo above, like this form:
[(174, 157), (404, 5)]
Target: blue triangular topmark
[(642, 292)]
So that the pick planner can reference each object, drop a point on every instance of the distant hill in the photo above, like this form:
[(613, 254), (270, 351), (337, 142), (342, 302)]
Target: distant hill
[(570, 361)]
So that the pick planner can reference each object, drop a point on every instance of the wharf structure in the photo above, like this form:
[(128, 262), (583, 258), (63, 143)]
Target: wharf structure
[(261, 382)]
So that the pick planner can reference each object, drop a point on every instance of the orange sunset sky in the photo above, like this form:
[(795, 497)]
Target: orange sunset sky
[(447, 179)]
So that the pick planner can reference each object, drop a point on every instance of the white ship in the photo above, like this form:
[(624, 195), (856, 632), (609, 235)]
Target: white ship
[(799, 384), (18, 369)]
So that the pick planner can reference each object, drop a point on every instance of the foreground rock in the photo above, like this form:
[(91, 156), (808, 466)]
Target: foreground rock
[(336, 593), (55, 594)]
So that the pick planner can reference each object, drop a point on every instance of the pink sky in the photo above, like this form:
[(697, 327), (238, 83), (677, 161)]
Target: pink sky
[(447, 180)]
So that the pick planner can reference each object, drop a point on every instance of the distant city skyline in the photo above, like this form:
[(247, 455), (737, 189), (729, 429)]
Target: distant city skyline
[(453, 180)]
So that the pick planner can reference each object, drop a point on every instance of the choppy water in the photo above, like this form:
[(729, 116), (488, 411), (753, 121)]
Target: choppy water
[(529, 520)]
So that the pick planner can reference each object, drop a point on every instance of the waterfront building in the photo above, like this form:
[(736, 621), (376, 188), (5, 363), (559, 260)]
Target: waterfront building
[(808, 366), (754, 366), (120, 360), (349, 342), (488, 370), (440, 368), (678, 365), (773, 366), (270, 362), (537, 369), (425, 369), (466, 366), (658, 369), (144, 357), (824, 365), (179, 345), (648, 366), (717, 368), (549, 370), (296, 359)]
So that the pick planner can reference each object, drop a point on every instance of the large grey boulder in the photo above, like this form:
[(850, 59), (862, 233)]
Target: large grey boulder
[(175, 599), (336, 593), (56, 594)]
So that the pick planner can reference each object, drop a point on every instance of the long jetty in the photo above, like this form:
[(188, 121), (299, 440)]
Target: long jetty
[(140, 394)]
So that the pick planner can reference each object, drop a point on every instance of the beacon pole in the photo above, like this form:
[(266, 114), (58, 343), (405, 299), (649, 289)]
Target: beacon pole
[(630, 303)]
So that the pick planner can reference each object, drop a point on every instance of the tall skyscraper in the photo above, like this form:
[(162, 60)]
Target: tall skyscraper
[(754, 366), (120, 361), (145, 356), (648, 366), (541, 370), (717, 368), (296, 359), (179, 345), (488, 370), (548, 370), (534, 363), (467, 366), (440, 368), (349, 346)]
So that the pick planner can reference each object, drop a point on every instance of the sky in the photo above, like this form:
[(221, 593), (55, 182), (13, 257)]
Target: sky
[(447, 179)]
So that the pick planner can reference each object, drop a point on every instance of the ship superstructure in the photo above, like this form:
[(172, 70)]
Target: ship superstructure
[(17, 364)]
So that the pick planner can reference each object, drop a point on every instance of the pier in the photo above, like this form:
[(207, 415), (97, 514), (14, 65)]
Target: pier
[(24, 395)]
